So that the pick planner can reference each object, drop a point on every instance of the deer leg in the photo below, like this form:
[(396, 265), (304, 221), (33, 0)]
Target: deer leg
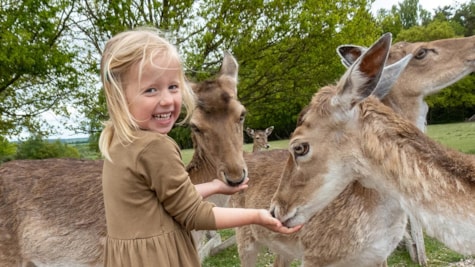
[(280, 261), (248, 248), (415, 242)]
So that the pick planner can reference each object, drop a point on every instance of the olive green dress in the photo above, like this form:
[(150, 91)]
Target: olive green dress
[(151, 205)]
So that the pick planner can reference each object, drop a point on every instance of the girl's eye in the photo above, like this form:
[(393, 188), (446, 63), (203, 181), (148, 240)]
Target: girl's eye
[(173, 87), (150, 90)]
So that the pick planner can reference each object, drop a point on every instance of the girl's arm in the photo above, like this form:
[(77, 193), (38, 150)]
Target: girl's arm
[(235, 217), (218, 187)]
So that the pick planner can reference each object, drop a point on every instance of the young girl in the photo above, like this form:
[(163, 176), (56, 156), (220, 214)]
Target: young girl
[(151, 205)]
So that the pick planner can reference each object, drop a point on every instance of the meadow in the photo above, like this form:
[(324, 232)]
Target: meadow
[(460, 136)]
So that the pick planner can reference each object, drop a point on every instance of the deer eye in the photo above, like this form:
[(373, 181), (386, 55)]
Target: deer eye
[(421, 53), (242, 117), (300, 149)]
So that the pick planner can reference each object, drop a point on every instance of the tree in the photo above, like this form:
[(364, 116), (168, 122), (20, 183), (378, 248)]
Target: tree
[(286, 50), (389, 21), (433, 31), (37, 71), (465, 16), (403, 16)]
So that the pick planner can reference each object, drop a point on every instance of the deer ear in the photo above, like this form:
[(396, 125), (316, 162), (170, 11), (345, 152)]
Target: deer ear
[(250, 132), (350, 53), (390, 75), (229, 66), (269, 130), (362, 77)]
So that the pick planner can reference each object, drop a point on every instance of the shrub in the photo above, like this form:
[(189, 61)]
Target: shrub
[(38, 148)]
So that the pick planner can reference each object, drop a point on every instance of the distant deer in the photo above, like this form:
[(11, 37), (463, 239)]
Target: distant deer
[(52, 210), (259, 138), (434, 66), (346, 135)]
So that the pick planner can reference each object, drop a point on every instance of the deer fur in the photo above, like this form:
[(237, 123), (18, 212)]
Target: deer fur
[(259, 138), (441, 60), (359, 239), (52, 210), (314, 241), (348, 135)]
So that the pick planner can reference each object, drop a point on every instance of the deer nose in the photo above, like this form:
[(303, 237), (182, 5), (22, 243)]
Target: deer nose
[(272, 211), (236, 183)]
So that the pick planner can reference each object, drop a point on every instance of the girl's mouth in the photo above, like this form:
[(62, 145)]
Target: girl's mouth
[(162, 116)]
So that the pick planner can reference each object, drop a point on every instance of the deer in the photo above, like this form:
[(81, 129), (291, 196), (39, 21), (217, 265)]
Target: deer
[(347, 135), (259, 138), (435, 65), (52, 210), (454, 51)]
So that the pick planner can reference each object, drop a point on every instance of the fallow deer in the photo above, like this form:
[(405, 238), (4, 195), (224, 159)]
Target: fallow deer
[(347, 135), (52, 211), (259, 138), (357, 239), (408, 96), (435, 65)]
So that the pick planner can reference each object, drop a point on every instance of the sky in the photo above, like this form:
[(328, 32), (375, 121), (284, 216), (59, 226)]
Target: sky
[(428, 5)]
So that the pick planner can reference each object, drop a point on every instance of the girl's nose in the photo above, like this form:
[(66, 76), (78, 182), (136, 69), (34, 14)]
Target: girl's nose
[(166, 98)]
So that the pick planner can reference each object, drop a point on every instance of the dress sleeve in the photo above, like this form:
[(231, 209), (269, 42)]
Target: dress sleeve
[(165, 172)]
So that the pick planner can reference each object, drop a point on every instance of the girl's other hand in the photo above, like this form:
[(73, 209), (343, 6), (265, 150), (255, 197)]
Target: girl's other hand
[(223, 188)]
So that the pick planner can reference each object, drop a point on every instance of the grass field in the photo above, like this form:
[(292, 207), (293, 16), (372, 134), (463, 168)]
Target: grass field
[(460, 136)]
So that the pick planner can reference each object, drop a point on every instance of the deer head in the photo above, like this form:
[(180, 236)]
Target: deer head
[(217, 128), (322, 155)]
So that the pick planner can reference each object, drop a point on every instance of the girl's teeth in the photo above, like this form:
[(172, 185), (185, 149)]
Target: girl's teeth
[(162, 116)]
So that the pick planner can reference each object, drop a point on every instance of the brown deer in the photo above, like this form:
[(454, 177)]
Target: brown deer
[(259, 138), (409, 102), (346, 135), (52, 211), (435, 65)]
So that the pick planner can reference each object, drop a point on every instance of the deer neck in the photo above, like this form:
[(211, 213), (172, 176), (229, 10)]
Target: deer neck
[(201, 169), (432, 183), (412, 107)]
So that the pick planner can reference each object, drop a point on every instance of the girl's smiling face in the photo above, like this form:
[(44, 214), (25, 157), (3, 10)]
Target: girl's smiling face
[(154, 96)]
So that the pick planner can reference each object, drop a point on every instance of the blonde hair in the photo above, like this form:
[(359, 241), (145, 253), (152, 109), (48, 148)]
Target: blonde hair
[(123, 51)]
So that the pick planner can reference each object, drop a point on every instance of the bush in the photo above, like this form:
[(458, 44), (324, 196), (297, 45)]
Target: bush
[(38, 148), (7, 150)]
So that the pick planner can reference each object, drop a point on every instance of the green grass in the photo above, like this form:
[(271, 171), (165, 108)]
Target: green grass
[(460, 136)]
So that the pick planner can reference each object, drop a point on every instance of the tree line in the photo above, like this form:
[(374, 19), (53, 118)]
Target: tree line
[(50, 52)]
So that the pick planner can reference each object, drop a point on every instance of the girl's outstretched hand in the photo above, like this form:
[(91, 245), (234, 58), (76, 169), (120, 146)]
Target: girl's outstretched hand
[(226, 189), (275, 225)]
